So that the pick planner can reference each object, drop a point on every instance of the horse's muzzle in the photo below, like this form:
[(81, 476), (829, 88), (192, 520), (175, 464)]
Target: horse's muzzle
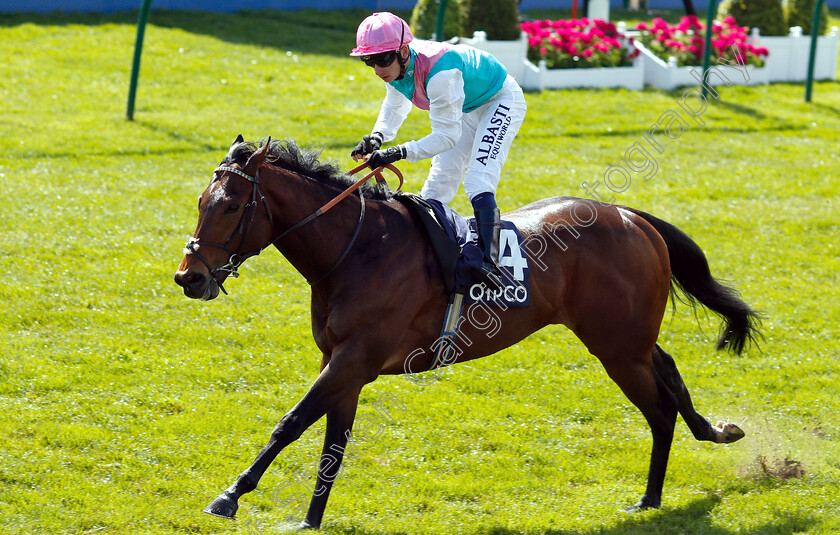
[(197, 285)]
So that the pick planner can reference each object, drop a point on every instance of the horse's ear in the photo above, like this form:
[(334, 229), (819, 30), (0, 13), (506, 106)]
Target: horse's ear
[(239, 139), (256, 160)]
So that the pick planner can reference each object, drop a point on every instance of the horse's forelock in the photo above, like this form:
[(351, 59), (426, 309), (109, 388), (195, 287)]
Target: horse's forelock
[(240, 152)]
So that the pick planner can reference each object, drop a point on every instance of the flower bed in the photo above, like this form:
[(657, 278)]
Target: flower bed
[(685, 41), (580, 53), (578, 43), (594, 53), (673, 55), (513, 55)]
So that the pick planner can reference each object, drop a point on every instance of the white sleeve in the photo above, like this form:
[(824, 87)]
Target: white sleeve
[(392, 113), (446, 101)]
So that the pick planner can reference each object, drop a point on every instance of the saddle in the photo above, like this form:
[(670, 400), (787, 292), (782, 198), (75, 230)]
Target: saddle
[(454, 241)]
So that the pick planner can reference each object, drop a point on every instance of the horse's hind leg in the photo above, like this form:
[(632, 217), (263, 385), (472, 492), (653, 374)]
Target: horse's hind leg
[(642, 386), (666, 369)]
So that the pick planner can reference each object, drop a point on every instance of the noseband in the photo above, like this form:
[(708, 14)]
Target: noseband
[(236, 259)]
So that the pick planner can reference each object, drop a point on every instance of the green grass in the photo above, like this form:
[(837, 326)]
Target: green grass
[(129, 407)]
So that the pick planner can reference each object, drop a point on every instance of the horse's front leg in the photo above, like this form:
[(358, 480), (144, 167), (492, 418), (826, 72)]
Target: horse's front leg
[(339, 423), (335, 384)]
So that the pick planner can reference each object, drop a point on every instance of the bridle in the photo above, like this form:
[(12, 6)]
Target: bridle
[(237, 258)]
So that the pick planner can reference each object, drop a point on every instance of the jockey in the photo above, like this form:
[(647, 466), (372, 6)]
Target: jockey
[(475, 109)]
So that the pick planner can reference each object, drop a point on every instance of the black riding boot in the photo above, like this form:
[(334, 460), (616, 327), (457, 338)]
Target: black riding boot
[(488, 224)]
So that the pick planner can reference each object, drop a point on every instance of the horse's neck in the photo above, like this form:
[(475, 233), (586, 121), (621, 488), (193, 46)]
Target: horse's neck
[(314, 247)]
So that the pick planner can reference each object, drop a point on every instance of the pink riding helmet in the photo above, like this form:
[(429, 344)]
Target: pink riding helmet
[(381, 32)]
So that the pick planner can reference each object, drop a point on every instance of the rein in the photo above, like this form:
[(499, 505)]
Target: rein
[(237, 259)]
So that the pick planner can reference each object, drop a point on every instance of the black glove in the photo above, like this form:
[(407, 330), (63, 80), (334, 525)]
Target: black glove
[(386, 156), (367, 145)]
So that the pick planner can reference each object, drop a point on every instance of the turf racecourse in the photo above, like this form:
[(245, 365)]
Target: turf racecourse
[(128, 407)]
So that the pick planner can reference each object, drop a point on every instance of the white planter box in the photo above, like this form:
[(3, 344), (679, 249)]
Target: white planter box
[(540, 77), (667, 75), (787, 60), (513, 55)]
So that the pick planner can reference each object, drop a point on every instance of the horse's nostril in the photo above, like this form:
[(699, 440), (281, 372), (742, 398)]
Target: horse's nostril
[(189, 279)]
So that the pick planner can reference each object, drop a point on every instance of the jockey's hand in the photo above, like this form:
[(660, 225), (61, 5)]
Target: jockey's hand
[(386, 156), (367, 145)]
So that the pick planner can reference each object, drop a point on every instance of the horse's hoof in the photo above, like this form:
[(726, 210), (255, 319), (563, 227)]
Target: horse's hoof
[(306, 525), (222, 506), (641, 506), (728, 432)]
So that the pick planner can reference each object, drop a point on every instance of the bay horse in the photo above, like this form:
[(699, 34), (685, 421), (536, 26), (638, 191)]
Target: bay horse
[(378, 295)]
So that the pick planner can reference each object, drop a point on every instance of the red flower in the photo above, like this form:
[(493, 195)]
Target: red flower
[(659, 23), (686, 40), (576, 43)]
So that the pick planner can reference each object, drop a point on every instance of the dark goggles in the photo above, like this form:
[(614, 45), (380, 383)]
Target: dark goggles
[(381, 60)]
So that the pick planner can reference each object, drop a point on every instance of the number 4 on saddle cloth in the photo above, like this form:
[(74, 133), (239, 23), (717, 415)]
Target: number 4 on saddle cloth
[(456, 244)]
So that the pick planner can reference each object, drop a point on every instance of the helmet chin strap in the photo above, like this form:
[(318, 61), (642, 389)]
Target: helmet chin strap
[(403, 62)]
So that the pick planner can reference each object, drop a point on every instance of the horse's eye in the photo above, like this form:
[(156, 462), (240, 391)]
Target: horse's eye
[(232, 209)]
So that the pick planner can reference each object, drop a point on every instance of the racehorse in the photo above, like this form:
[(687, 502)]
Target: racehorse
[(603, 271)]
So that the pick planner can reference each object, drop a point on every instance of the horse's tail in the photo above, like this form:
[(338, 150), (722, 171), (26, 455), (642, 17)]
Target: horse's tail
[(690, 273)]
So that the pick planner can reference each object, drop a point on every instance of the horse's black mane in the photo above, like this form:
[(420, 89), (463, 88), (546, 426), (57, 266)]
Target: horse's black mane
[(286, 154)]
